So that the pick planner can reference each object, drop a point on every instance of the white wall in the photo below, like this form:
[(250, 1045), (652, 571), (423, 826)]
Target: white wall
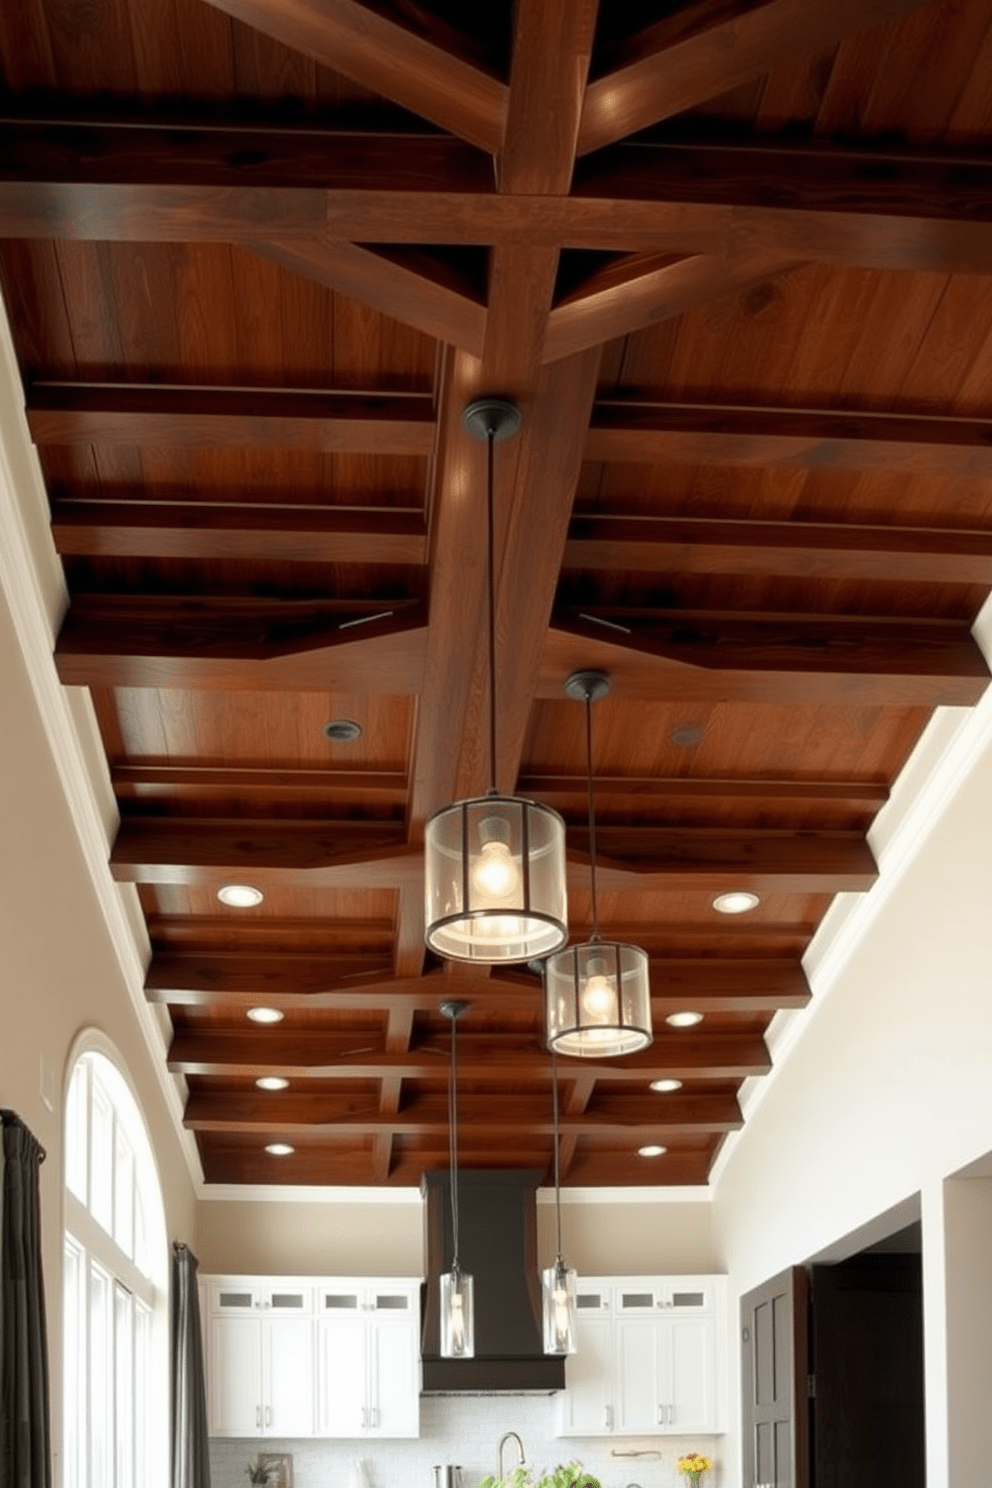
[(888, 1089)]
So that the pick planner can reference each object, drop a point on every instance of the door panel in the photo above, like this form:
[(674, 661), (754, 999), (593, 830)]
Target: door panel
[(692, 1374), (343, 1375), (394, 1402), (289, 1397), (774, 1366), (235, 1376)]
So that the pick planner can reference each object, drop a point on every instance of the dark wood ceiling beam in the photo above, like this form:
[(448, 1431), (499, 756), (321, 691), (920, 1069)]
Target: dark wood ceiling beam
[(706, 49), (552, 45), (226, 1159), (817, 439), (321, 853), (643, 289), (862, 795), (146, 782), (721, 657), (410, 292), (314, 1054), (269, 934), (349, 982), (829, 550), (711, 860), (411, 70), (818, 202), (303, 534), (141, 641), (298, 1113), (207, 417)]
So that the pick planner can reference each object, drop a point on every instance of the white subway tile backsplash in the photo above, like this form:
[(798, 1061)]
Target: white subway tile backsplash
[(466, 1431)]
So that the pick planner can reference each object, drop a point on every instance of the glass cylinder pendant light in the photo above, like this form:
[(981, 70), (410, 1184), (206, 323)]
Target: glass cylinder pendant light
[(597, 995), (494, 866), (558, 1281), (457, 1305)]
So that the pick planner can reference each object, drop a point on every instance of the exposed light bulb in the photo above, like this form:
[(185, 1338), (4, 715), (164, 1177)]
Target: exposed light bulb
[(598, 1000), (495, 874)]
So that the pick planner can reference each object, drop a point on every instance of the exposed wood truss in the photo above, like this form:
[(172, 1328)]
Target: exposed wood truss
[(734, 264)]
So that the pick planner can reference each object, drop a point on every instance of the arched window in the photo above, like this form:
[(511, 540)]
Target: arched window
[(115, 1326)]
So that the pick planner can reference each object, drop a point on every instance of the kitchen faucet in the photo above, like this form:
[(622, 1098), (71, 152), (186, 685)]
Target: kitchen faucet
[(521, 1454)]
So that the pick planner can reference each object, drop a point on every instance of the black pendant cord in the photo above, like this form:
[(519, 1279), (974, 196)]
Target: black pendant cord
[(490, 468), (554, 1094), (592, 818), (453, 1140)]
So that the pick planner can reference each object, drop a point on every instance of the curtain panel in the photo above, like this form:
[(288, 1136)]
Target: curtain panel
[(25, 1445), (190, 1455)]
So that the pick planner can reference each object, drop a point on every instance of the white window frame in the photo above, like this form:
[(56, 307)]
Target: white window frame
[(115, 1285)]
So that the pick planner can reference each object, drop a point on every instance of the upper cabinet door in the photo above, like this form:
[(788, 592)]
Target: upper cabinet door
[(342, 1369), (394, 1379), (689, 1363), (586, 1404), (642, 1398), (235, 1375), (288, 1345)]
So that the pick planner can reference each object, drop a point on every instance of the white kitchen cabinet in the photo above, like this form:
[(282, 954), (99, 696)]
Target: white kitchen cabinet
[(650, 1358), (368, 1372), (260, 1357)]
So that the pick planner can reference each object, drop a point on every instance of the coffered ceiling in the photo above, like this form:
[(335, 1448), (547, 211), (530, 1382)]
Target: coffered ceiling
[(733, 260)]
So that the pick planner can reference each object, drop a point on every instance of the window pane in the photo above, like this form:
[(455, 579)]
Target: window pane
[(101, 1395), (124, 1387), (74, 1368), (102, 1158), (124, 1193), (75, 1132), (142, 1394)]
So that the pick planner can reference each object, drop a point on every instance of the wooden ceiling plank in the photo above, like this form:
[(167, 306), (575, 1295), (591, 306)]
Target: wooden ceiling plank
[(386, 285), (155, 529), (710, 47), (723, 658), (170, 645), (315, 1055), (638, 431), (367, 47), (206, 417), (712, 860), (835, 550), (646, 288), (552, 45)]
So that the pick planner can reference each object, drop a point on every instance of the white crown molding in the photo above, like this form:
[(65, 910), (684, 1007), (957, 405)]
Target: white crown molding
[(949, 748), (32, 579), (685, 1194), (283, 1193)]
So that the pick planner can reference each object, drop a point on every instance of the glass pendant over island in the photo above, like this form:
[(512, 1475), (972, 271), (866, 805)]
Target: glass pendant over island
[(597, 995), (558, 1305), (494, 865), (456, 1296)]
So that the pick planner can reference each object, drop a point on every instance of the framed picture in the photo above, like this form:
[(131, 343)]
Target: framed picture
[(280, 1468)]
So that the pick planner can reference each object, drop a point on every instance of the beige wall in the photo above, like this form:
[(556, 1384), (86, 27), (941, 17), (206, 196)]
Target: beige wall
[(59, 973)]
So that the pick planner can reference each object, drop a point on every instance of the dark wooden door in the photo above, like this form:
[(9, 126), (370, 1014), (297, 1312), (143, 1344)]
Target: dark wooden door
[(774, 1358), (868, 1368)]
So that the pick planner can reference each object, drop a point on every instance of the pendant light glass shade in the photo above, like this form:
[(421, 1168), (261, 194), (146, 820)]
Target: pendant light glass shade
[(494, 865), (558, 1297), (457, 1315), (558, 1305), (495, 880), (456, 1290), (597, 995), (598, 1000)]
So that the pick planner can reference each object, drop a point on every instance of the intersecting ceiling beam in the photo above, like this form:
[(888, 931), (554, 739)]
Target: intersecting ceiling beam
[(414, 71), (708, 48)]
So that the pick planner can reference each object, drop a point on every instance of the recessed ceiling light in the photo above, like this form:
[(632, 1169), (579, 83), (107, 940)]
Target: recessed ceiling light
[(651, 1151), (739, 901), (342, 730), (663, 1086), (280, 1149), (265, 1015), (684, 1020), (688, 735), (240, 896), (271, 1082)]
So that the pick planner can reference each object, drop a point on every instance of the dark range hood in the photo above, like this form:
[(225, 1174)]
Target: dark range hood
[(497, 1233)]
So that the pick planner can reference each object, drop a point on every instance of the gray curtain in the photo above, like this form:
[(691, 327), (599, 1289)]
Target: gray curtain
[(25, 1451), (190, 1447)]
